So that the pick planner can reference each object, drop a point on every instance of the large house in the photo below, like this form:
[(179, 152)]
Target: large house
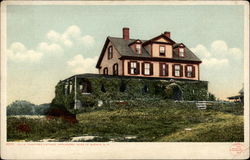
[(158, 57)]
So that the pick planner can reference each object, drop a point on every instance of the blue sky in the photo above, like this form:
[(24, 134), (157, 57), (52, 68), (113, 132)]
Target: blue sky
[(46, 44)]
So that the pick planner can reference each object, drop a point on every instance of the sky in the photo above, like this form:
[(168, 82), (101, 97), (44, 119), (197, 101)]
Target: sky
[(48, 43)]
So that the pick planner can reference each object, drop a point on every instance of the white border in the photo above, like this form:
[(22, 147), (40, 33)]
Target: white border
[(122, 150)]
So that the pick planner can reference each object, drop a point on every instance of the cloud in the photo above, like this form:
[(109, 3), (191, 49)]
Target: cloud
[(201, 51), (219, 46), (222, 67), (72, 32), (55, 44), (71, 36), (88, 40), (235, 52), (79, 64), (53, 36), (212, 62), (18, 52), (50, 48), (219, 54)]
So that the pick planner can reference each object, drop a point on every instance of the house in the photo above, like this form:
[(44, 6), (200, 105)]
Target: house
[(130, 69), (157, 57), (239, 97)]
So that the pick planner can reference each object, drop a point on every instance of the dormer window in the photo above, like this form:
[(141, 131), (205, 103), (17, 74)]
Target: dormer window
[(110, 52), (182, 52), (162, 50), (138, 48)]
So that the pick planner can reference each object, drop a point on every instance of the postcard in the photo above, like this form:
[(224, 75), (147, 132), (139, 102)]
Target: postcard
[(124, 80)]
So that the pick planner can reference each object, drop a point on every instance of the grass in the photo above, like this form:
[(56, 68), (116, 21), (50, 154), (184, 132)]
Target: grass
[(230, 129), (165, 122)]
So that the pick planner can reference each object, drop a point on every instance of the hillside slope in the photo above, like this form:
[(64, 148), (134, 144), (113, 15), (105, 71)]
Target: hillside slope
[(159, 122)]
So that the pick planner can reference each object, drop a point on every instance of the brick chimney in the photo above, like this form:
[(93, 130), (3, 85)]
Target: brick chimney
[(167, 34), (125, 33)]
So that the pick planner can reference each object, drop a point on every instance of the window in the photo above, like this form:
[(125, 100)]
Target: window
[(162, 50), (133, 68), (147, 68), (177, 70), (181, 52), (138, 48), (110, 52), (66, 89), (105, 71), (115, 69), (189, 71), (85, 87), (163, 69)]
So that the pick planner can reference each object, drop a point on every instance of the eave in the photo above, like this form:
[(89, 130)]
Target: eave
[(155, 38), (102, 53), (160, 59)]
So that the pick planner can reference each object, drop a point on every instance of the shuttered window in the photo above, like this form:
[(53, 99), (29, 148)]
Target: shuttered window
[(163, 69), (147, 68), (162, 50), (190, 71), (105, 71), (133, 68), (181, 52), (177, 70), (138, 48), (110, 52), (115, 69)]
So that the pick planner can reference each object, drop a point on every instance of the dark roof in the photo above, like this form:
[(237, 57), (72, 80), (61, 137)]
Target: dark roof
[(160, 36), (91, 75), (122, 46), (189, 55)]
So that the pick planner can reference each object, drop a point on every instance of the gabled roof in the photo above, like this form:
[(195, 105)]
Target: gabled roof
[(123, 49), (189, 55), (157, 37)]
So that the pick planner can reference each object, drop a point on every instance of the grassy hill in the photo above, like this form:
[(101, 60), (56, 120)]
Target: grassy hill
[(151, 122)]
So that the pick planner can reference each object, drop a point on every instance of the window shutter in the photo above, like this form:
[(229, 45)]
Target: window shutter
[(114, 69), (151, 69), (161, 67), (111, 52), (181, 70), (184, 52), (117, 71), (173, 73), (166, 69), (142, 68), (137, 68), (186, 71), (193, 71), (129, 68)]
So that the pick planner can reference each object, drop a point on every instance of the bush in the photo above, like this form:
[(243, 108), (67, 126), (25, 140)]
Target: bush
[(113, 89), (233, 108)]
